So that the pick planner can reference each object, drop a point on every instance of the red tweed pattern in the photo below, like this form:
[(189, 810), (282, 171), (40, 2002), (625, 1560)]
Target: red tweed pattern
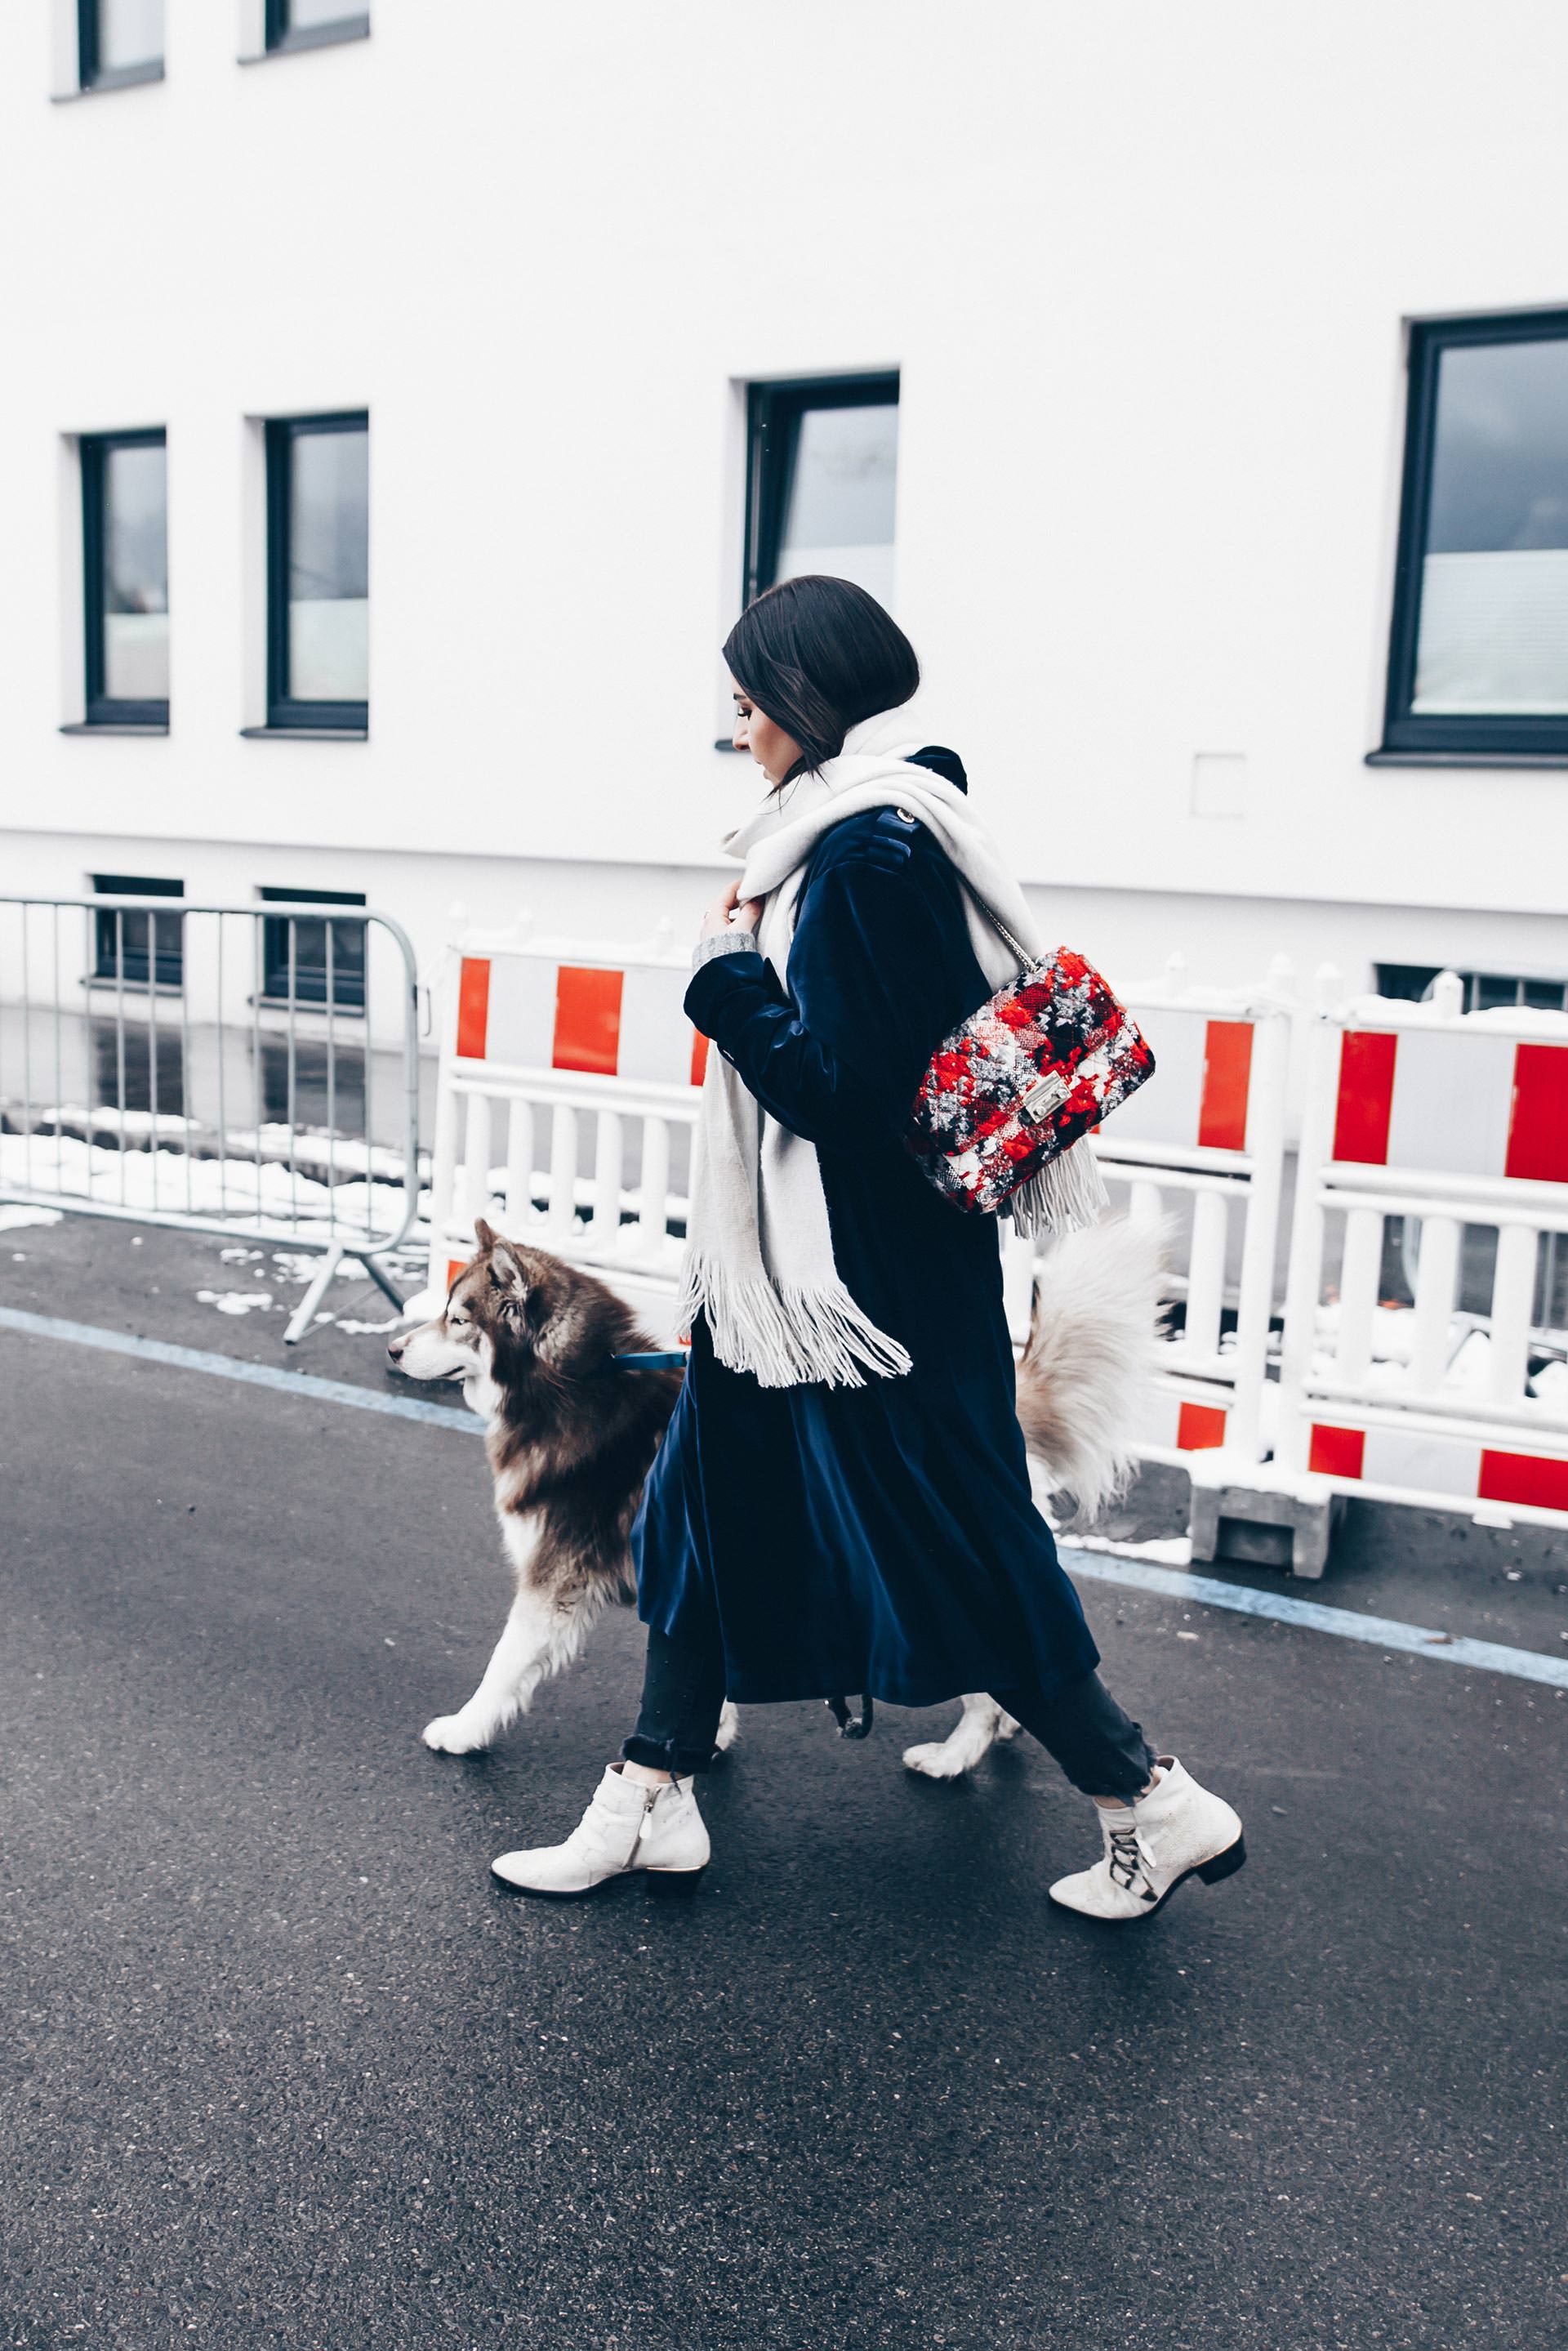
[(967, 1129)]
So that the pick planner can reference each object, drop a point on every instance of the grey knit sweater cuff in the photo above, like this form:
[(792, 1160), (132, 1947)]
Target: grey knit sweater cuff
[(720, 942)]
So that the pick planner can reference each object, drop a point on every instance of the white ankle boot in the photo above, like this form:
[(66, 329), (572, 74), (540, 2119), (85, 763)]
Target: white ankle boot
[(626, 1827), (1152, 1844)]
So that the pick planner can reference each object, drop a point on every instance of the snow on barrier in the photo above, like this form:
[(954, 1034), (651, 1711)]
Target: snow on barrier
[(1459, 1120), (250, 1071), (593, 1036)]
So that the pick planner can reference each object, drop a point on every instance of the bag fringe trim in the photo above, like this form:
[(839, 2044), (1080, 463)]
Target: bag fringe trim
[(788, 1337), (1068, 1196)]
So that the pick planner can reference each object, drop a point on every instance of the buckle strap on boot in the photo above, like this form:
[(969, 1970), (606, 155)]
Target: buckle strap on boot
[(1129, 1858)]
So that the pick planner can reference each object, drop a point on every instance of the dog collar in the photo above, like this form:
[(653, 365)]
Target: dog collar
[(673, 1359)]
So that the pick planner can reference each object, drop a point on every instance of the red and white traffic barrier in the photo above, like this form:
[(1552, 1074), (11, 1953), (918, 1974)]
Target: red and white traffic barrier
[(534, 1008), (1210, 1128), (1457, 1119), (591, 1039)]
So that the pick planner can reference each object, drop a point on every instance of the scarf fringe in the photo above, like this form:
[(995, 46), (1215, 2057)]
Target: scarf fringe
[(1068, 1196), (787, 1336)]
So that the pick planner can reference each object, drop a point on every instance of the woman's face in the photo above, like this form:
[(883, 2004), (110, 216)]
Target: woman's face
[(774, 752)]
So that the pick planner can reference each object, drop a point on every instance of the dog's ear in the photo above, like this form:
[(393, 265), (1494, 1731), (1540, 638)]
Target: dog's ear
[(485, 1235), (506, 1275)]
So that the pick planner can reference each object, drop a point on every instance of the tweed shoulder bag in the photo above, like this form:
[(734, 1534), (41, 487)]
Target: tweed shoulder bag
[(1013, 1088)]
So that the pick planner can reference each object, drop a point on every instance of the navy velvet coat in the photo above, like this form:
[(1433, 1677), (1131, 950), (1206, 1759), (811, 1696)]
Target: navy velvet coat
[(880, 1539)]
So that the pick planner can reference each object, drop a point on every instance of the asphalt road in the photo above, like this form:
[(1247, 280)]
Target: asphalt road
[(281, 2068)]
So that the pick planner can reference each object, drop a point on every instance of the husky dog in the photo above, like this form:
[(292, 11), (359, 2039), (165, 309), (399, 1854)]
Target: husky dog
[(570, 1435)]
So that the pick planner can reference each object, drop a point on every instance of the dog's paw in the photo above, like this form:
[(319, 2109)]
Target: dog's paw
[(448, 1734), (936, 1759), (729, 1729)]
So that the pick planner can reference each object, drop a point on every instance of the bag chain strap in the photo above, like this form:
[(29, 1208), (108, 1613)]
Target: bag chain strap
[(1014, 947)]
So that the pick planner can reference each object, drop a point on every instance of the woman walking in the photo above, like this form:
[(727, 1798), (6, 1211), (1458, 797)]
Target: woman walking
[(842, 1501)]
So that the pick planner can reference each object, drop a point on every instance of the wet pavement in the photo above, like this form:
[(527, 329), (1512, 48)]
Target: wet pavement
[(281, 2067)]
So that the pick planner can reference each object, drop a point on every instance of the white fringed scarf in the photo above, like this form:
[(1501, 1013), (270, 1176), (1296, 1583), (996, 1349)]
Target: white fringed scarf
[(759, 1256)]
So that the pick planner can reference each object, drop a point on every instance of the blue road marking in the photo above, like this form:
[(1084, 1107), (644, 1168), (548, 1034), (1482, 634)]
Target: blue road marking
[(1171, 1583)]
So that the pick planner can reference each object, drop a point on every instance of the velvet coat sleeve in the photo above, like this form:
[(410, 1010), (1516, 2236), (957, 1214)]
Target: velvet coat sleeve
[(879, 971)]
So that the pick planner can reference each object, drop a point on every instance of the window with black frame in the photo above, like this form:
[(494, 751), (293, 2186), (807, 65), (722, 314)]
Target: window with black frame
[(822, 469), (125, 570), (309, 959), (134, 944), (1478, 655), (313, 23), (119, 42), (1484, 991), (319, 608)]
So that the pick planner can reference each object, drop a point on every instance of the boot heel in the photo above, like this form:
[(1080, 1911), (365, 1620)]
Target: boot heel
[(670, 1885), (1224, 1864)]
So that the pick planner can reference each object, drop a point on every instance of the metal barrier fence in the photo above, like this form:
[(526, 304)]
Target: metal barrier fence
[(249, 1071), (1458, 1123)]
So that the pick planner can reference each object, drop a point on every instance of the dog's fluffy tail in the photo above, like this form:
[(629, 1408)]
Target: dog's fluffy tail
[(1091, 1349)]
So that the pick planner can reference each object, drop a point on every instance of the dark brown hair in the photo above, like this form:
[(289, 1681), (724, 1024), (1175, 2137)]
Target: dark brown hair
[(816, 656)]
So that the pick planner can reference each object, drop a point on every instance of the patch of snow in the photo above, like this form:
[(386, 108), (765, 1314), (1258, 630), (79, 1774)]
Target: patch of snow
[(274, 1203), (234, 1302), (344, 1154), (1472, 1367), (303, 1265), (360, 1329), (1164, 1550), (1551, 1385), (13, 1214), (1394, 1334), (108, 1118)]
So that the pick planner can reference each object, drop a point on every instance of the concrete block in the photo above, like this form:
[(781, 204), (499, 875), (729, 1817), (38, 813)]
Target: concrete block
[(1246, 1523)]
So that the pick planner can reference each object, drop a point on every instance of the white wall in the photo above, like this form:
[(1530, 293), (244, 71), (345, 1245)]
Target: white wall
[(1144, 270), (1229, 940)]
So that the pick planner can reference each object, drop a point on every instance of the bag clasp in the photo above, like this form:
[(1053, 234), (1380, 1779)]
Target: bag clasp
[(1045, 1095)]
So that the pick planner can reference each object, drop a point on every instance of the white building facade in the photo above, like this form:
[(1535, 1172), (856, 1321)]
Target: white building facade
[(395, 406)]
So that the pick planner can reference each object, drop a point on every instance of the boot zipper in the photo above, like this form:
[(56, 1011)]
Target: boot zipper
[(649, 1798)]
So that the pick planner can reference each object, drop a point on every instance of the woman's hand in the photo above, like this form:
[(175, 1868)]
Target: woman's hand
[(731, 912)]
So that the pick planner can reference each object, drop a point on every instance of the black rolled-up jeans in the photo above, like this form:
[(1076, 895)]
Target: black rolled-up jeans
[(1102, 1750)]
